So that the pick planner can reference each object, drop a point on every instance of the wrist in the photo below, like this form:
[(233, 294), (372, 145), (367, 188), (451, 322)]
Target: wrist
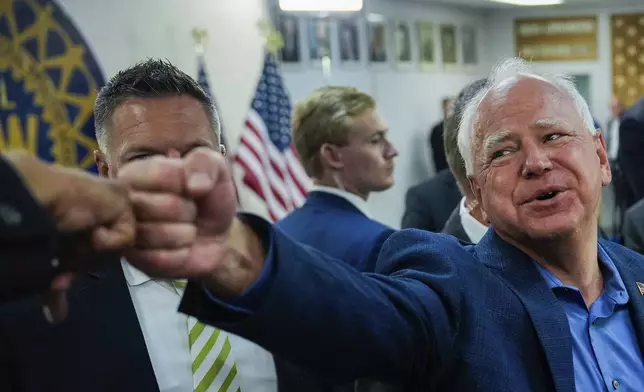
[(241, 265)]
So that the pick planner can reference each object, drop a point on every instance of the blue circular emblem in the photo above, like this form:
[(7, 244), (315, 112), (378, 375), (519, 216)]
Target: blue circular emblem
[(48, 84)]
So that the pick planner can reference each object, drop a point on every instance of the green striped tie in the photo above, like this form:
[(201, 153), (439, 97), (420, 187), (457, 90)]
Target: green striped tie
[(213, 367)]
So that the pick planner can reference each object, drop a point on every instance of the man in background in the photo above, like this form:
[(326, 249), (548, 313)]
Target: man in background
[(342, 144), (436, 137), (633, 227), (629, 156), (428, 205), (466, 222)]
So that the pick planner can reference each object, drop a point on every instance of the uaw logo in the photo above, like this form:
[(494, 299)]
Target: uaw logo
[(48, 84)]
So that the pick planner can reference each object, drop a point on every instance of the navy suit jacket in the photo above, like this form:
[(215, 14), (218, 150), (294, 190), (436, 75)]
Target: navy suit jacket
[(629, 154), (429, 204), (332, 225), (99, 347), (440, 316)]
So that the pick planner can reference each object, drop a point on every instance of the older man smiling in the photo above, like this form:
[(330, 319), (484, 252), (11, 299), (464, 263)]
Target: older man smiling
[(538, 304)]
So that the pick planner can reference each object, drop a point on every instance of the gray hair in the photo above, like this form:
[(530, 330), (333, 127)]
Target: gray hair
[(508, 69)]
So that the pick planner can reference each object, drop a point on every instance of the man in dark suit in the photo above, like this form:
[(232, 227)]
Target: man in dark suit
[(43, 211), (466, 221), (428, 205), (343, 146), (539, 304), (633, 227), (629, 155), (436, 137), (123, 332)]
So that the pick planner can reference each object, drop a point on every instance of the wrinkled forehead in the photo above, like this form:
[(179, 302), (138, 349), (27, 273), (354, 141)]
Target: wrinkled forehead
[(518, 103)]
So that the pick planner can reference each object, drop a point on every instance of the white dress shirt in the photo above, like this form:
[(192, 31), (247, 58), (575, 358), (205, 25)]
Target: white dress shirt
[(165, 331), (473, 228), (357, 201)]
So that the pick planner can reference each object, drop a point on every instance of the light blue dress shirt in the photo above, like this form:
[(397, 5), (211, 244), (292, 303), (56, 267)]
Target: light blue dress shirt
[(605, 352)]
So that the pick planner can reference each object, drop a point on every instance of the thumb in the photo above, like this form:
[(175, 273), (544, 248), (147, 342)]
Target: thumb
[(202, 169), (209, 183)]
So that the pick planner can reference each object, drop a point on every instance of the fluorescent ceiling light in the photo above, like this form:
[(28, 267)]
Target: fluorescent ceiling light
[(320, 5), (529, 3)]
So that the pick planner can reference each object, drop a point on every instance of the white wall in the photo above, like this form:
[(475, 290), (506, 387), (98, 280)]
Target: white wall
[(501, 35), (122, 32), (408, 99)]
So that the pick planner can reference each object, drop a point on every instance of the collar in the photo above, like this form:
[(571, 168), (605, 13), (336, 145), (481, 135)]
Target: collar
[(474, 229), (355, 200), (133, 275), (613, 284)]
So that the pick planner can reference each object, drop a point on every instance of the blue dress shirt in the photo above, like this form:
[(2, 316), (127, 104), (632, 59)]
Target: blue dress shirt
[(605, 352)]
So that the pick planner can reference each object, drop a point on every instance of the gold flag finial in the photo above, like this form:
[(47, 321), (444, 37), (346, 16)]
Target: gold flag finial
[(199, 36), (273, 39)]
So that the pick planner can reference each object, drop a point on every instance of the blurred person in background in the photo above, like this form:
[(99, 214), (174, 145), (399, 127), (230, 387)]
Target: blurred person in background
[(629, 154), (633, 227), (466, 222), (428, 205), (435, 138), (342, 144), (611, 132)]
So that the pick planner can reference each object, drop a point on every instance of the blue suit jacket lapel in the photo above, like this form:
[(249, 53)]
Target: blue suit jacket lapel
[(631, 269), (548, 316)]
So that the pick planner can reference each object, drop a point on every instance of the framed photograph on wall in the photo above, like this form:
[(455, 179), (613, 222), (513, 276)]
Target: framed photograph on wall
[(468, 45), (349, 40), (289, 27), (402, 43), (426, 47), (377, 42), (319, 39), (448, 46)]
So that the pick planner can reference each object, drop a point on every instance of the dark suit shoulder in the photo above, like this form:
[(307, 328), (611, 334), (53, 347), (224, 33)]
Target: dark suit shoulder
[(635, 112)]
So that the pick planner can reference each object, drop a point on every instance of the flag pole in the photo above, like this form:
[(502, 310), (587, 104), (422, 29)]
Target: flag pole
[(199, 36)]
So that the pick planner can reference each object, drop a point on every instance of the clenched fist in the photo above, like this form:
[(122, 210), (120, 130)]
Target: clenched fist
[(185, 211)]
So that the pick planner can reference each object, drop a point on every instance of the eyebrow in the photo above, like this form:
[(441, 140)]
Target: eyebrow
[(494, 140), (545, 123)]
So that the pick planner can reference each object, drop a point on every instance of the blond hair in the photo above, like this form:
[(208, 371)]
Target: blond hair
[(326, 116)]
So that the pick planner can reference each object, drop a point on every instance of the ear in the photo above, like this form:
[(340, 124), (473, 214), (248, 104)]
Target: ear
[(476, 191), (101, 164), (331, 156), (604, 164)]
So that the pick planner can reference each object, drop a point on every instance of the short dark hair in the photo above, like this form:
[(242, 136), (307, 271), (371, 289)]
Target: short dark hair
[(151, 78), (450, 133)]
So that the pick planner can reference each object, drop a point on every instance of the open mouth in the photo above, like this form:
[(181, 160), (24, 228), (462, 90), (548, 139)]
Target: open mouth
[(547, 195)]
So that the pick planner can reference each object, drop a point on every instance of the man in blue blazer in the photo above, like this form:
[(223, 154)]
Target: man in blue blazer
[(539, 304), (343, 146)]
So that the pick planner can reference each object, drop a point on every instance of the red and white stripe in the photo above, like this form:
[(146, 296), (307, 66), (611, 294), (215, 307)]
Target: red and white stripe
[(277, 178)]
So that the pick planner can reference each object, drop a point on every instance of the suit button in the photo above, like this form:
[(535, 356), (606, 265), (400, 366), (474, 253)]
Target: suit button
[(615, 384), (9, 215)]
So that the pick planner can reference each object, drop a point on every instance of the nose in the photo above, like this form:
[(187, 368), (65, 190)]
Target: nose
[(390, 151), (174, 153), (537, 161)]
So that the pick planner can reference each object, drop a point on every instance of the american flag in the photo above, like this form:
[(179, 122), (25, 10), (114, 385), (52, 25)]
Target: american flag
[(202, 78), (267, 157)]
